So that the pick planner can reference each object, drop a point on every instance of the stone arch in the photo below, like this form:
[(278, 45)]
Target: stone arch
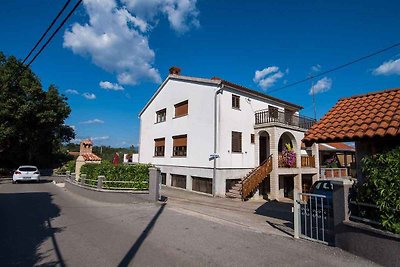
[(286, 138)]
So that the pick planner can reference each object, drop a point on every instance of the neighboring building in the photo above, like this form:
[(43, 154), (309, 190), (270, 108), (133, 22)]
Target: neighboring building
[(177, 135), (85, 156), (372, 121), (337, 159)]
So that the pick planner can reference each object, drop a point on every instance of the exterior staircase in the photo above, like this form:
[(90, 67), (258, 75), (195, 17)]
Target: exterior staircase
[(251, 181)]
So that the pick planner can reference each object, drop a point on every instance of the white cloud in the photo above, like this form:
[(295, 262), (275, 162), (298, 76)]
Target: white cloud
[(89, 96), (72, 92), (181, 14), (321, 86), (388, 68), (111, 86), (316, 68), (116, 37), (267, 77), (100, 138), (94, 121)]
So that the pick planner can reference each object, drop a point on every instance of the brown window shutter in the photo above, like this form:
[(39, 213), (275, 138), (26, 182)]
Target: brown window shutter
[(252, 138), (181, 109), (180, 140), (159, 142), (236, 141)]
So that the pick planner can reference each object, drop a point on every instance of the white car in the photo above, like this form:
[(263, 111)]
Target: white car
[(26, 173)]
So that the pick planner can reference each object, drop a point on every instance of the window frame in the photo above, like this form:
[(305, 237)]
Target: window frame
[(179, 151), (252, 139), (159, 112), (235, 149), (161, 151), (182, 103), (235, 102)]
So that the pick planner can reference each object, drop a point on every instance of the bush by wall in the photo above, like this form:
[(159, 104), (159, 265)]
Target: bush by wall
[(382, 187), (69, 166), (118, 177)]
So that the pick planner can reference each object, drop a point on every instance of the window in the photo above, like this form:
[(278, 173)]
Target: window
[(161, 115), (163, 178), (159, 147), (273, 112), (181, 109), (179, 146), (236, 101), (252, 138), (178, 181), (201, 184), (236, 142)]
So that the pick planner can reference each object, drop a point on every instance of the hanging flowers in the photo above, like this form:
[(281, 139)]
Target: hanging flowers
[(289, 156)]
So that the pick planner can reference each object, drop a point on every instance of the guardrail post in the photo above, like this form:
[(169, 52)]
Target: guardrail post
[(296, 214), (100, 180), (83, 177), (154, 180)]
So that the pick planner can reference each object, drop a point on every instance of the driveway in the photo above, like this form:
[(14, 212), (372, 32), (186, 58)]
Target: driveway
[(45, 225)]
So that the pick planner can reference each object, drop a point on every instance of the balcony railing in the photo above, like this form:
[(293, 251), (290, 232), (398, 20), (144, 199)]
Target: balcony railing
[(331, 173), (282, 164), (288, 118), (308, 161)]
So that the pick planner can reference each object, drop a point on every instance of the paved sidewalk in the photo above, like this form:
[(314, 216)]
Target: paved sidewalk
[(255, 215)]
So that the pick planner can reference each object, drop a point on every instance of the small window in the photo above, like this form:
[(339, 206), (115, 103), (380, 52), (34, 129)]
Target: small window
[(163, 178), (181, 109), (252, 138), (235, 101), (236, 142), (179, 146), (159, 147), (161, 115)]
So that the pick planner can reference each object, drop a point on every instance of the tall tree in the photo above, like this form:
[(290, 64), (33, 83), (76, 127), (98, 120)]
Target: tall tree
[(31, 120)]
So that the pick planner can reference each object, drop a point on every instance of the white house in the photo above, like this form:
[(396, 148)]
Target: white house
[(188, 120)]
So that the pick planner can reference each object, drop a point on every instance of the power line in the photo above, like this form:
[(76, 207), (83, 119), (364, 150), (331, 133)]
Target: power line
[(336, 68), (46, 43), (47, 30)]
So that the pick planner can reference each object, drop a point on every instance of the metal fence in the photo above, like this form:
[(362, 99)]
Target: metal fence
[(313, 217)]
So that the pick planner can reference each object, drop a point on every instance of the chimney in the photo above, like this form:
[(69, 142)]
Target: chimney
[(175, 70), (85, 147)]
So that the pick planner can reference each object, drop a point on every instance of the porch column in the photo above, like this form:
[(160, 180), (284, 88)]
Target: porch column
[(274, 176), (315, 153), (257, 148), (298, 183)]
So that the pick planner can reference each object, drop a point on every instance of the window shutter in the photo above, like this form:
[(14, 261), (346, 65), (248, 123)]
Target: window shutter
[(180, 140), (236, 142), (159, 142), (182, 108)]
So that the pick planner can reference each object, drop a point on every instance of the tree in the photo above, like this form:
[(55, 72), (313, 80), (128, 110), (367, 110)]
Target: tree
[(31, 120)]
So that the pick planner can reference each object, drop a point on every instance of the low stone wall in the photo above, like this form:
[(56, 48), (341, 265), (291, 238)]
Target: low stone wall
[(118, 196), (376, 245)]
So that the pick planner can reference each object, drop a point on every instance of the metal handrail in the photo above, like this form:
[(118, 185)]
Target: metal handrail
[(265, 116)]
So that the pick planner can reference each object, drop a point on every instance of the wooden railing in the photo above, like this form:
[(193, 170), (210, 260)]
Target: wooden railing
[(256, 176), (282, 164), (308, 161)]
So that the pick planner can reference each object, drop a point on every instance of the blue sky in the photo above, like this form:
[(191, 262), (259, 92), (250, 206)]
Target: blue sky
[(112, 55)]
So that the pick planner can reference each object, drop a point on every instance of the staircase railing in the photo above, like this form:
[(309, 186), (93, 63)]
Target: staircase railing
[(256, 176)]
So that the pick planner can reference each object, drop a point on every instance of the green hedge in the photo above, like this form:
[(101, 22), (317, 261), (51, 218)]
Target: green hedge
[(382, 187), (133, 176)]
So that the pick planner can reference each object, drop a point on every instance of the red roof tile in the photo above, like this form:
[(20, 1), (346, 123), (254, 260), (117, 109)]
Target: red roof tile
[(336, 146), (90, 157), (379, 117)]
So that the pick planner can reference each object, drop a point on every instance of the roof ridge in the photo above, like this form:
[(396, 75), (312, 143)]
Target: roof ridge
[(371, 93)]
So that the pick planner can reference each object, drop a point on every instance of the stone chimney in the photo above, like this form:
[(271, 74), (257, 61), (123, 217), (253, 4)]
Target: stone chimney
[(86, 146), (175, 70)]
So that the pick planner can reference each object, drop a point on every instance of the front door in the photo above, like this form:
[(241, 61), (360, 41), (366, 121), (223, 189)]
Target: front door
[(263, 148)]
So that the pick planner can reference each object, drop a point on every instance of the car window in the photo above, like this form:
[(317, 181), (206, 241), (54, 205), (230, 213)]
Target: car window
[(27, 169), (327, 186)]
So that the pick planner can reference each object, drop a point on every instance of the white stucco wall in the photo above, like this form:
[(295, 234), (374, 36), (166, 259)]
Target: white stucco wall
[(198, 124)]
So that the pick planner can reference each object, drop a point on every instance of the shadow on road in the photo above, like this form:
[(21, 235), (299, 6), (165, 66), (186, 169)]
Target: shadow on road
[(278, 210), (25, 223), (134, 249)]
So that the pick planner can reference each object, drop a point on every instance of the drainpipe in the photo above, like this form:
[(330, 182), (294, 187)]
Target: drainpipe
[(219, 91)]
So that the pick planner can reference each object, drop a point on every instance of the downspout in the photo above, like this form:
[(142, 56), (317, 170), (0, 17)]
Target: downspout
[(219, 91)]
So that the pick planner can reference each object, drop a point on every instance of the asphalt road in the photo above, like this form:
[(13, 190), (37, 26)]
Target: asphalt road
[(45, 225)]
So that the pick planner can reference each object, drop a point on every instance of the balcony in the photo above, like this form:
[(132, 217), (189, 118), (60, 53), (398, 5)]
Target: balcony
[(284, 117), (306, 162)]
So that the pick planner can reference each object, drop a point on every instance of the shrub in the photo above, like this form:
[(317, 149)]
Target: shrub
[(132, 176), (69, 166), (382, 187)]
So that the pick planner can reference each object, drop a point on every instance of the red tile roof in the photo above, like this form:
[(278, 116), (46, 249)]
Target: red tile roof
[(90, 157), (362, 116)]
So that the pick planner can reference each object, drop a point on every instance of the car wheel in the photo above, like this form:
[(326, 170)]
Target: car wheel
[(14, 182)]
